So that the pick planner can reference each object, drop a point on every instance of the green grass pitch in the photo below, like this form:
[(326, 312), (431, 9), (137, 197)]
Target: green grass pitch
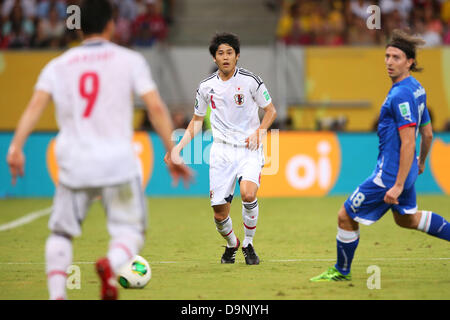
[(295, 240)]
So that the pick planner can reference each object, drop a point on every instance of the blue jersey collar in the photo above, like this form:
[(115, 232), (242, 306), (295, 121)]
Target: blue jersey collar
[(407, 79)]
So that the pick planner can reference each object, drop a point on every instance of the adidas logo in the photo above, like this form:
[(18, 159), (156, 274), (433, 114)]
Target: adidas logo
[(212, 91)]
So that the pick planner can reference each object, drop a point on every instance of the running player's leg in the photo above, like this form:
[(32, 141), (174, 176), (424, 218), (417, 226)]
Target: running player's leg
[(224, 224), (250, 210), (249, 174), (410, 221), (434, 224), (347, 240), (58, 257), (425, 221), (365, 206), (407, 216), (222, 180), (69, 210), (126, 211)]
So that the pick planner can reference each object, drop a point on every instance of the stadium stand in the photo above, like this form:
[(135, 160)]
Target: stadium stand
[(39, 23)]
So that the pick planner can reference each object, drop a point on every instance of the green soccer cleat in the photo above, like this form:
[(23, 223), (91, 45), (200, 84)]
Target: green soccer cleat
[(332, 274)]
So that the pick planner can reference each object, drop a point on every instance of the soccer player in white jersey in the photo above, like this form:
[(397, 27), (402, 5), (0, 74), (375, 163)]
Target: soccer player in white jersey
[(92, 87), (235, 95)]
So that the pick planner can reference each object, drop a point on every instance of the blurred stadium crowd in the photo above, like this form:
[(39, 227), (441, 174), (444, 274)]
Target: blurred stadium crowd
[(343, 22), (42, 23)]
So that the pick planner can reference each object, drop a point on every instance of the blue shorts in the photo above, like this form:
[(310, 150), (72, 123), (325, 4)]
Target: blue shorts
[(366, 205)]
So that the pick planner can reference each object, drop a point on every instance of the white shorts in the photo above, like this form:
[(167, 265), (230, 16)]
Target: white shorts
[(124, 204), (229, 164)]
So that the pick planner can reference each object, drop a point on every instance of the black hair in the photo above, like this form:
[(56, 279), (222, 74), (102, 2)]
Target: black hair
[(224, 38), (408, 44), (95, 15)]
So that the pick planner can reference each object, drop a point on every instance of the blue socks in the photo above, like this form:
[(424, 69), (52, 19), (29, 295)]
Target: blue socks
[(347, 242), (434, 225)]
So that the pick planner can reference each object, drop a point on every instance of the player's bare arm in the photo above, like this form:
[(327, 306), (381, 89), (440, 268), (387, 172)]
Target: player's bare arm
[(408, 145), (29, 119), (426, 134), (254, 140), (194, 127), (160, 118)]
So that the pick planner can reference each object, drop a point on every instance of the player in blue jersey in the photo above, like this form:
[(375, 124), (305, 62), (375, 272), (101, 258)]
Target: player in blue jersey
[(403, 116)]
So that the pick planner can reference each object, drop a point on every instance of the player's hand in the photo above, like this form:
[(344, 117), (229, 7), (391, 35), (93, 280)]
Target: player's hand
[(16, 163), (177, 168), (421, 166), (391, 197), (254, 140)]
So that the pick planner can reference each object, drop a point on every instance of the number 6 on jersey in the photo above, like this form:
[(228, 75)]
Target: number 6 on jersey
[(91, 94)]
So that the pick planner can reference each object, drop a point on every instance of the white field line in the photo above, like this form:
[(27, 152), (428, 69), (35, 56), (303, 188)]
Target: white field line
[(37, 214), (369, 259), (274, 261), (25, 219)]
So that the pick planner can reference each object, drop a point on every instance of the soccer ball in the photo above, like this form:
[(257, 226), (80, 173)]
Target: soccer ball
[(135, 274)]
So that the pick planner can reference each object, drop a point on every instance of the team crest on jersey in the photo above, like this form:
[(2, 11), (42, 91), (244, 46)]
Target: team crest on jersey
[(239, 99)]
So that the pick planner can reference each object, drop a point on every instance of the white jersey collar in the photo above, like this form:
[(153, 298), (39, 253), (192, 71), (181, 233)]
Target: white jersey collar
[(97, 41)]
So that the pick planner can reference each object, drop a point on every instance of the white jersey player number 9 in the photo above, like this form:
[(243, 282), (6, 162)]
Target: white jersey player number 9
[(89, 95)]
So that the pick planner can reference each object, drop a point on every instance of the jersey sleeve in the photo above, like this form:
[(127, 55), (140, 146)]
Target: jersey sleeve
[(201, 104), (426, 119), (261, 94), (403, 107), (142, 77), (46, 78)]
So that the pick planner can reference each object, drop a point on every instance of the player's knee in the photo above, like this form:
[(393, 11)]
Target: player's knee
[(61, 234), (248, 195), (407, 221), (342, 216), (58, 249), (248, 191), (345, 221), (219, 217), (404, 224), (220, 212)]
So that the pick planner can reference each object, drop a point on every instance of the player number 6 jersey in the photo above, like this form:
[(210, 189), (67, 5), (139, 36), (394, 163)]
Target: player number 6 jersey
[(234, 104)]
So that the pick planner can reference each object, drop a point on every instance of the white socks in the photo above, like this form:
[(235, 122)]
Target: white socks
[(123, 248), (425, 220), (58, 256), (347, 236), (59, 252), (225, 228), (250, 212), (250, 218)]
